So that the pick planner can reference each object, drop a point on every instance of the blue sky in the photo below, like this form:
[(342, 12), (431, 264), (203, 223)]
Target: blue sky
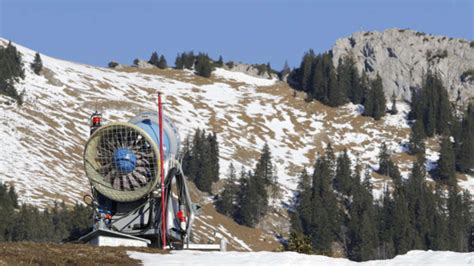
[(253, 31)]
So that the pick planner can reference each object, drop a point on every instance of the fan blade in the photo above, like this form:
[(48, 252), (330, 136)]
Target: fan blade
[(133, 181), (108, 177), (140, 177), (126, 184), (104, 169), (116, 184)]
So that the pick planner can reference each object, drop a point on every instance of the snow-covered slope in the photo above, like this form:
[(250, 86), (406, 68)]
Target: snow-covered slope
[(197, 258), (42, 141)]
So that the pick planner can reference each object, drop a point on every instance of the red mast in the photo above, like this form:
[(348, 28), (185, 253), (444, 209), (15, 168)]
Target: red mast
[(162, 173)]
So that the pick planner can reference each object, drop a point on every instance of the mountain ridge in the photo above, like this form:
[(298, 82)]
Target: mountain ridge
[(402, 56)]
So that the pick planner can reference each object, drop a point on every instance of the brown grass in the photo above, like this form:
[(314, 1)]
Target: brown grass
[(27, 253)]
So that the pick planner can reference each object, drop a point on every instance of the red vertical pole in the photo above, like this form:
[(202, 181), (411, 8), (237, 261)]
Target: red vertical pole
[(162, 174)]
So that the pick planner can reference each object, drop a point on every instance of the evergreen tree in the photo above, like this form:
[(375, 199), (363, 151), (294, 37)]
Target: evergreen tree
[(11, 71), (13, 196), (444, 111), (384, 160), (286, 70), (214, 156), (37, 64), (203, 65), (301, 220), (378, 98), (465, 142), (201, 161), (188, 60), (162, 64), (226, 202), (386, 249), (325, 216), (253, 200), (306, 70), (264, 167), (344, 83), (220, 62), (179, 64), (342, 180), (154, 59), (336, 94), (368, 102), (356, 91), (417, 139), (446, 162), (402, 232), (362, 229), (459, 220)]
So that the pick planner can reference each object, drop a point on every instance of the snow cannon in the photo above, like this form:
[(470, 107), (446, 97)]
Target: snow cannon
[(123, 164)]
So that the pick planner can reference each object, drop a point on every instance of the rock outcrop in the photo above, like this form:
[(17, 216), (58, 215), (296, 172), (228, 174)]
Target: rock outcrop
[(250, 70), (142, 64), (401, 57)]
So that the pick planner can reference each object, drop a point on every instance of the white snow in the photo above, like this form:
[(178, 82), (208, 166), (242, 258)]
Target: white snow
[(42, 142), (199, 258), (242, 77)]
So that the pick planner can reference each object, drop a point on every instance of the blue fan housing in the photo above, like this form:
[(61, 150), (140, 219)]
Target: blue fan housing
[(125, 160), (152, 129)]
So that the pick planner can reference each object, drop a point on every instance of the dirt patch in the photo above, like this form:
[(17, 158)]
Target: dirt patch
[(27, 253), (49, 75)]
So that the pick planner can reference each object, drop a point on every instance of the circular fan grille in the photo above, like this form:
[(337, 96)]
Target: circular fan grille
[(121, 161)]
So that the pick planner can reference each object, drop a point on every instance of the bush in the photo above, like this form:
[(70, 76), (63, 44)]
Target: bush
[(113, 64), (230, 64), (299, 243)]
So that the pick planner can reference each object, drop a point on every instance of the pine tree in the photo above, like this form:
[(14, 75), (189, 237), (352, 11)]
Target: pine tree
[(154, 59), (401, 224), (342, 180), (459, 219), (286, 70), (162, 64), (356, 92), (446, 162), (13, 196), (378, 98), (306, 70), (264, 166), (11, 71), (201, 161), (226, 202), (301, 220), (325, 216), (37, 64), (343, 82), (189, 60), (385, 226), (384, 160), (465, 142), (220, 62), (203, 65), (417, 139), (444, 112), (179, 64), (336, 95)]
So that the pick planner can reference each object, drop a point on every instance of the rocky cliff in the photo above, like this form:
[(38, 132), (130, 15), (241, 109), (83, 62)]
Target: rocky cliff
[(401, 57)]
